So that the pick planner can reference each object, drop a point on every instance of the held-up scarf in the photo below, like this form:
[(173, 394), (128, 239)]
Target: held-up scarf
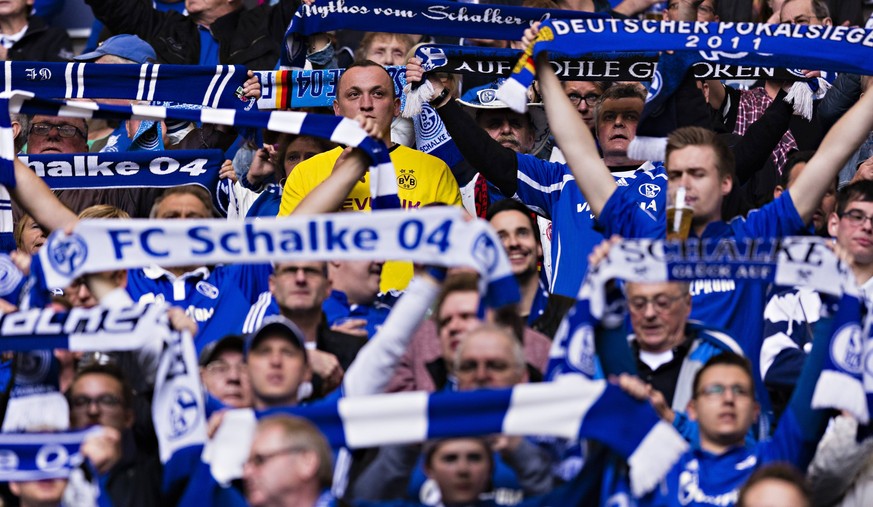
[(219, 86), (429, 17), (437, 236), (789, 261), (81, 329), (834, 48), (135, 169), (283, 89), (40, 456), (383, 184), (573, 408), (611, 66)]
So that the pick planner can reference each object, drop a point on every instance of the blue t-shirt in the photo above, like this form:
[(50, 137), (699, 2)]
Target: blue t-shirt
[(701, 478), (217, 299), (550, 189)]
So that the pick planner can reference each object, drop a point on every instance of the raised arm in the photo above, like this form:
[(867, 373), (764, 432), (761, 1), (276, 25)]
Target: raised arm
[(574, 139), (499, 165), (32, 194), (836, 148), (328, 196)]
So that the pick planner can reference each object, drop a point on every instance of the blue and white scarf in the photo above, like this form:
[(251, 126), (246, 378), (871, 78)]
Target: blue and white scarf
[(219, 86), (81, 329), (439, 236), (283, 89), (572, 408), (431, 17), (789, 261), (383, 184), (156, 169), (610, 66), (842, 49), (39, 456)]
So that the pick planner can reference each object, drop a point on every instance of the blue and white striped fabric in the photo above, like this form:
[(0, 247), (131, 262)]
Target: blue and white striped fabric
[(383, 182), (573, 408), (831, 48), (437, 236), (82, 329), (219, 86), (433, 17), (39, 456)]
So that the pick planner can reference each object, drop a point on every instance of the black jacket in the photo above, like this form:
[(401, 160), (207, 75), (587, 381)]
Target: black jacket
[(251, 37), (42, 43)]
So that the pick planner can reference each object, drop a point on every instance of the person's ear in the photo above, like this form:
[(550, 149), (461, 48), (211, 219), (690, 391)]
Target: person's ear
[(727, 183), (691, 409), (777, 191), (833, 224)]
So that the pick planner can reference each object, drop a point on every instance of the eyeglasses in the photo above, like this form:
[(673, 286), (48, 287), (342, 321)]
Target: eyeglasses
[(104, 401), (223, 369), (661, 302), (718, 390), (856, 217), (258, 460), (44, 129), (589, 99)]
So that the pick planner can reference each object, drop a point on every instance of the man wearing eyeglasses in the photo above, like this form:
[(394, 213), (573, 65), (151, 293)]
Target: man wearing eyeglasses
[(290, 463), (723, 404), (790, 311), (47, 135), (55, 134), (101, 395), (224, 374), (668, 349)]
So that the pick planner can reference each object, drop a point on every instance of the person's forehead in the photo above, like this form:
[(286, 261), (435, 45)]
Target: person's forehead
[(582, 87), (267, 437), (866, 207), (386, 40), (624, 104), (460, 301), (792, 8), (96, 382), (365, 78), (181, 199), (510, 219), (503, 113), (461, 445), (281, 266), (724, 373), (487, 343), (58, 120), (304, 143), (692, 156), (653, 289), (273, 341), (230, 356)]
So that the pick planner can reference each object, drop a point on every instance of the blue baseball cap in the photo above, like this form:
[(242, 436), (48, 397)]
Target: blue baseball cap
[(125, 46)]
